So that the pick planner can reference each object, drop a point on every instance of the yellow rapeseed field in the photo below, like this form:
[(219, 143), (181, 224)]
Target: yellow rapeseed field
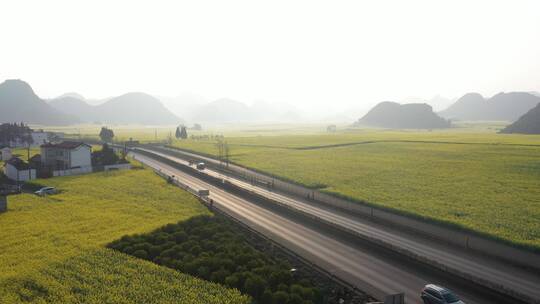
[(52, 249)]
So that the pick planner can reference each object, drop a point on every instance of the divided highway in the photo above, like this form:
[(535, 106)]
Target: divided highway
[(371, 269)]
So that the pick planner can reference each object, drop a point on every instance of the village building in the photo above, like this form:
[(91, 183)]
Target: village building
[(40, 137), (18, 170), (67, 155)]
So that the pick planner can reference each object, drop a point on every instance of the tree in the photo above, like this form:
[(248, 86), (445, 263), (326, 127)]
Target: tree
[(177, 134), (254, 286), (281, 297), (106, 134), (183, 133), (106, 156)]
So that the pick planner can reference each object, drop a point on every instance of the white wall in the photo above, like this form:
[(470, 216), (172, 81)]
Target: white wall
[(81, 157), (39, 138), (24, 175), (69, 172)]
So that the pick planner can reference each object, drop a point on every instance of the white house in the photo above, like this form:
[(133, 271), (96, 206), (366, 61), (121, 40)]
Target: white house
[(5, 153), (18, 170), (40, 137), (67, 155)]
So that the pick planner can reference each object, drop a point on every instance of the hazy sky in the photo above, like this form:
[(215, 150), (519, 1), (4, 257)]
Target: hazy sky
[(338, 53)]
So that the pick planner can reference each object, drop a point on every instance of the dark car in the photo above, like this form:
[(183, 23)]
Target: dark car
[(434, 294), (201, 166)]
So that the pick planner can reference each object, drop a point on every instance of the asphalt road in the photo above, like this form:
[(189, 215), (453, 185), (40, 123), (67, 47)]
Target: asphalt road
[(370, 269)]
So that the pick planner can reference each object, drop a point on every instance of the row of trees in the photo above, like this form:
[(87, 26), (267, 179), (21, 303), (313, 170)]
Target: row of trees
[(106, 135), (212, 248), (15, 133), (207, 137), (181, 132)]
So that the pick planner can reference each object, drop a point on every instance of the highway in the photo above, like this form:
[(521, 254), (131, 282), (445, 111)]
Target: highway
[(370, 269)]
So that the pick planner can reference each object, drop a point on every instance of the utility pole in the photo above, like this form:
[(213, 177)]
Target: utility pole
[(226, 148)]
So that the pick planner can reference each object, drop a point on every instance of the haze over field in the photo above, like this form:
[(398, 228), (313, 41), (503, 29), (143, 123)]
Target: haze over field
[(270, 152), (310, 59)]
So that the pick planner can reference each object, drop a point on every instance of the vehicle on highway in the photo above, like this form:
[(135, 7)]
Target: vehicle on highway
[(45, 191), (201, 166), (434, 294)]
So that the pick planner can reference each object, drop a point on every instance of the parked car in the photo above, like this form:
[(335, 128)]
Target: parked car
[(201, 166), (46, 191), (434, 294)]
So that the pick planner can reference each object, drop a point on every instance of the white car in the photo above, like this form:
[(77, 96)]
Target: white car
[(45, 191)]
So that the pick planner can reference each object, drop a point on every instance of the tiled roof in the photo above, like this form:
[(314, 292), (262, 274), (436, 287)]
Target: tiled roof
[(65, 145)]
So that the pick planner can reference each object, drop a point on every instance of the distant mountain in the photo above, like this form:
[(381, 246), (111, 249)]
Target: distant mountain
[(438, 102), (19, 103), (227, 110), (526, 124), (407, 116), (139, 108), (224, 110), (130, 108), (76, 107), (186, 105), (503, 106), (469, 107)]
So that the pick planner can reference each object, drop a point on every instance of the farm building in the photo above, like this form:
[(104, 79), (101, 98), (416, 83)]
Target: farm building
[(18, 170), (40, 137), (67, 158)]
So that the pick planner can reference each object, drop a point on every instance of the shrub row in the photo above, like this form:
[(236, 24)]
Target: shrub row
[(212, 248)]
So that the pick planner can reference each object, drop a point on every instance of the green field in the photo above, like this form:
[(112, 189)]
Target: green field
[(52, 249), (470, 177), (162, 133)]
